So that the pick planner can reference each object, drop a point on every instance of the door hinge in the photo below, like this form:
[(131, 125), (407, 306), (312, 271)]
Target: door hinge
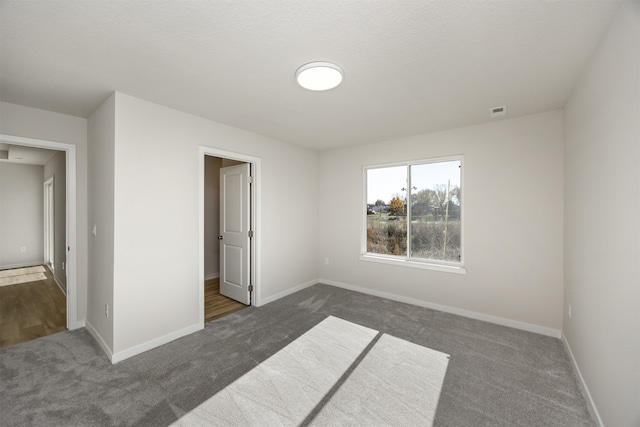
[(250, 288), (250, 180), (251, 234)]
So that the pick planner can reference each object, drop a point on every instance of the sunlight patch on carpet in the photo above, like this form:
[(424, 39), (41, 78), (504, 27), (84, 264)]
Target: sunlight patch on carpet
[(315, 380)]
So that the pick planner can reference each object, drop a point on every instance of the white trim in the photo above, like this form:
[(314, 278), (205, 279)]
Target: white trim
[(71, 223), (55, 279), (201, 162), (211, 276), (408, 262), (49, 223), (583, 385), (440, 159), (555, 333), (256, 224), (157, 342), (290, 291), (101, 342)]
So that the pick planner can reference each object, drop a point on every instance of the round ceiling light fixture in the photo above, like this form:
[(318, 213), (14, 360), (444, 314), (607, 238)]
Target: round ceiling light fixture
[(319, 76)]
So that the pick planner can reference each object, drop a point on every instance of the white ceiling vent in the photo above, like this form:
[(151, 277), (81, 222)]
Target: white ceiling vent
[(499, 111)]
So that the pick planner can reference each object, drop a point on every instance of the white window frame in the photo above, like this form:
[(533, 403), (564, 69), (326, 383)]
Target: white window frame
[(428, 264)]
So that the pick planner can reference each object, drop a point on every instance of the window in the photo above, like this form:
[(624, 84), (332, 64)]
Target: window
[(414, 213)]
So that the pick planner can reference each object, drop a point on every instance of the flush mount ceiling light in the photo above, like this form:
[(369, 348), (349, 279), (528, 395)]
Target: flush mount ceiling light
[(319, 76)]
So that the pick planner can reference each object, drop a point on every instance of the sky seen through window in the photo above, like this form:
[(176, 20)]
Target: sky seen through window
[(386, 182)]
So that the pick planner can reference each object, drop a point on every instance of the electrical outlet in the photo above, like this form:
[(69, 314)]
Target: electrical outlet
[(326, 261), (63, 265), (569, 311), (106, 311), (94, 231)]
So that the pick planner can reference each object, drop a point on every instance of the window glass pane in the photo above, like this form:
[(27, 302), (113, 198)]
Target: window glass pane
[(386, 211), (435, 211)]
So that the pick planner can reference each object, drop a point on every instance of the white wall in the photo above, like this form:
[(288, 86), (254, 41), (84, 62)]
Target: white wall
[(56, 168), (21, 215), (101, 155), (156, 201), (512, 195), (28, 122), (212, 167), (602, 229)]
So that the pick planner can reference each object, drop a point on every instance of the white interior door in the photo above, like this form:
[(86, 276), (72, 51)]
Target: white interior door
[(235, 279)]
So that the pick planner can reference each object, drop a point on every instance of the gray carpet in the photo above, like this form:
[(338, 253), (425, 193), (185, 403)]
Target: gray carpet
[(496, 375)]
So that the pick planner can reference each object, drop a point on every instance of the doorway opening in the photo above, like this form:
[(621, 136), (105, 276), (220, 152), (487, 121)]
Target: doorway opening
[(32, 304), (66, 242), (217, 305), (229, 230)]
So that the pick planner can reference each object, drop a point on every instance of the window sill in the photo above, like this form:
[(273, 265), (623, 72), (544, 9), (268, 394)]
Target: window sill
[(456, 269)]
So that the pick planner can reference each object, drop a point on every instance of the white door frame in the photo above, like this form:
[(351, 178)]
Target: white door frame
[(256, 203), (72, 249), (49, 223)]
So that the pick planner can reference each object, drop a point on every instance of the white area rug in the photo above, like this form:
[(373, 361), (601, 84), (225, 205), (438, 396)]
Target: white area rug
[(337, 373), (21, 275)]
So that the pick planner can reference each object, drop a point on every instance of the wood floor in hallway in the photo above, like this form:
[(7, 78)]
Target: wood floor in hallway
[(215, 304), (31, 310), (36, 309)]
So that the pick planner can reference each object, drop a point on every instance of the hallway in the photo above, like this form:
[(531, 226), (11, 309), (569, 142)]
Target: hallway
[(31, 310)]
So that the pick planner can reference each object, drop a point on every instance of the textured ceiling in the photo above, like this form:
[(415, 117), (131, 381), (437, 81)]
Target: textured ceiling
[(410, 66)]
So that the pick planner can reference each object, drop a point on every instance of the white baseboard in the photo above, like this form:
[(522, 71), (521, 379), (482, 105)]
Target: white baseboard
[(157, 342), (64, 291), (99, 340), (448, 309), (267, 300), (211, 276), (583, 385), (141, 348)]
